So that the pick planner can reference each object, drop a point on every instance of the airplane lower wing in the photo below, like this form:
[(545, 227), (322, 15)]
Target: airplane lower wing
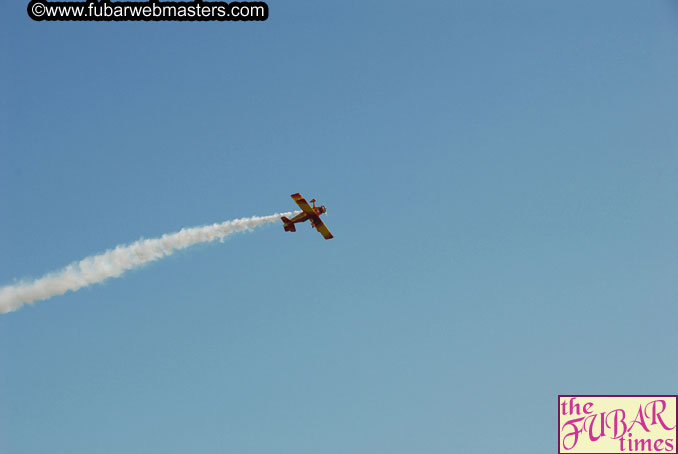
[(322, 228), (303, 204)]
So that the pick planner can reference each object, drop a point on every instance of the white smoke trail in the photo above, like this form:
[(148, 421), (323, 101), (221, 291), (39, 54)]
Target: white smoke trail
[(115, 262)]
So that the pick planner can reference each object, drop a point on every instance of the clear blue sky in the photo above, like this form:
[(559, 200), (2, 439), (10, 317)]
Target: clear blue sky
[(501, 179)]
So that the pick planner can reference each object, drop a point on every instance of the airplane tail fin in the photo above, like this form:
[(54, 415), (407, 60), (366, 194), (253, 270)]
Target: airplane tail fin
[(288, 225)]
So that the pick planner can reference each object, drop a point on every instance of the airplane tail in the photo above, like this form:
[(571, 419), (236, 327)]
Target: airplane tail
[(288, 225)]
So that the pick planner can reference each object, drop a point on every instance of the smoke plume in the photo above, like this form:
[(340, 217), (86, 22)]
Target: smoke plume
[(115, 262)]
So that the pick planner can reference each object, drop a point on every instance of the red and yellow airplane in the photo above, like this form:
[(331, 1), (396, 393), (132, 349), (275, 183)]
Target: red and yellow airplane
[(313, 213)]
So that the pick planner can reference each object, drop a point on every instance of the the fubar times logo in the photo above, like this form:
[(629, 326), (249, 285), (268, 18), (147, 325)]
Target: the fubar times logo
[(617, 424)]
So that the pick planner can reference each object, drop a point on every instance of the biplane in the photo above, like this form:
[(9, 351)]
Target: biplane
[(307, 212)]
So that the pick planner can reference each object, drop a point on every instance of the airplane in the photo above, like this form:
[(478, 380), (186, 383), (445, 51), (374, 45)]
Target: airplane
[(313, 213)]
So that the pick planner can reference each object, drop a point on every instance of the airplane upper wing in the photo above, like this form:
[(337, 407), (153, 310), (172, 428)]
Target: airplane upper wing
[(303, 204), (322, 228)]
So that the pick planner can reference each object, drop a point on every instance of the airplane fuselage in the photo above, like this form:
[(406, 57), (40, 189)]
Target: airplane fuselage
[(302, 217)]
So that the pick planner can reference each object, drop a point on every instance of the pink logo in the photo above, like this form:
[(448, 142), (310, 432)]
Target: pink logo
[(617, 424)]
